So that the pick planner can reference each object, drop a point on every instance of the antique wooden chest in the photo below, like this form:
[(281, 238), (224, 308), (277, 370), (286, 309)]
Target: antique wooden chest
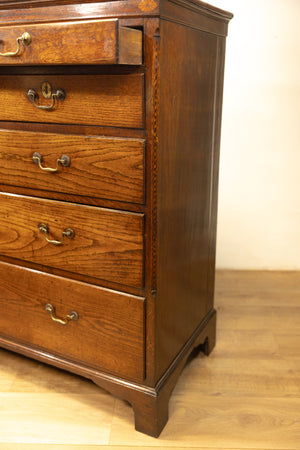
[(109, 147)]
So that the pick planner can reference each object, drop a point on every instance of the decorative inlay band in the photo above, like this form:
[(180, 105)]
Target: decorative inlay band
[(155, 108)]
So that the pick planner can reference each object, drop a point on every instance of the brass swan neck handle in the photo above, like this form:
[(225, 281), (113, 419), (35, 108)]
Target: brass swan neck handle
[(68, 232), (64, 160), (25, 39), (51, 310), (33, 96)]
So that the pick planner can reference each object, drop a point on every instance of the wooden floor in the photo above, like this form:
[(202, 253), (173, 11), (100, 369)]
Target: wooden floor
[(246, 395)]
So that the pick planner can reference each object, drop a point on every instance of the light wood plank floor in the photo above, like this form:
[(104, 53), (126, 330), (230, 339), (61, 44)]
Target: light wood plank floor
[(246, 395)]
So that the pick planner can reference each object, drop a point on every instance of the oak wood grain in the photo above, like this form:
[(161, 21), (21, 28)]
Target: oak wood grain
[(115, 100), (186, 155), (213, 20), (85, 42), (254, 405), (110, 168), (173, 101), (109, 334), (107, 244), (60, 9)]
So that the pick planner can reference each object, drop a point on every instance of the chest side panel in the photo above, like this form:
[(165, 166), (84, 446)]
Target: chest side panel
[(189, 74)]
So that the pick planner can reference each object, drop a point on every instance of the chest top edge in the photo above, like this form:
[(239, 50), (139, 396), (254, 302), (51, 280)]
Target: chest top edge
[(16, 10)]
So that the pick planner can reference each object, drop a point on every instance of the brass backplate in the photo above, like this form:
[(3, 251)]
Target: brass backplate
[(46, 89)]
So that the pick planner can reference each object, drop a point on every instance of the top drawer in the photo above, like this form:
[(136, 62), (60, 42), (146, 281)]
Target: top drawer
[(86, 42)]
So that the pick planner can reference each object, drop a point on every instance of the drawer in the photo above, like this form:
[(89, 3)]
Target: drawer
[(107, 244), (110, 168), (109, 332), (85, 42), (107, 100)]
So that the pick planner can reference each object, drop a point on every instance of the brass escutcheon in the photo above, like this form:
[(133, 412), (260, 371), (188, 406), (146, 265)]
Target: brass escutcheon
[(46, 89)]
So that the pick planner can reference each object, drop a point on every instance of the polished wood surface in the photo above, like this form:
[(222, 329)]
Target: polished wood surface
[(91, 42), (111, 168), (246, 395), (185, 202), (107, 244), (114, 100), (154, 239), (108, 335), (197, 14)]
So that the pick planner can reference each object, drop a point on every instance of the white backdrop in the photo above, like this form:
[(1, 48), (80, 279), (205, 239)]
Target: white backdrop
[(259, 190)]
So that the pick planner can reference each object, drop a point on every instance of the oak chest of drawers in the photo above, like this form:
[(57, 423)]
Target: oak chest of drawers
[(109, 144)]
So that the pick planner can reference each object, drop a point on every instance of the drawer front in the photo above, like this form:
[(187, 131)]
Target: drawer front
[(107, 100), (86, 42), (110, 168), (107, 244), (109, 332)]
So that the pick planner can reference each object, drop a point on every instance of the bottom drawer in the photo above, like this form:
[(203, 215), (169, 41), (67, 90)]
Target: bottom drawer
[(108, 333)]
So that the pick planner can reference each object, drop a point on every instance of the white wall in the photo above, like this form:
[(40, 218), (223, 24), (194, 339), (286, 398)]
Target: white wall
[(259, 194)]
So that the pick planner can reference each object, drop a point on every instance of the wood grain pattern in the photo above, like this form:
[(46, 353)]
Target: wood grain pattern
[(43, 410), (218, 423), (110, 168), (211, 19), (254, 405), (186, 152), (109, 334), (85, 42), (115, 100), (151, 52), (33, 10), (173, 102), (107, 244)]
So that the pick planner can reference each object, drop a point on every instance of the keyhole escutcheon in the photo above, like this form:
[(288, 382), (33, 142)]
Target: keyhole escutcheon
[(46, 89)]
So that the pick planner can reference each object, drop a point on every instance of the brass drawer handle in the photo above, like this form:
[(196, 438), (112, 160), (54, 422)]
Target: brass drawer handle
[(51, 310), (64, 160), (68, 232), (33, 96), (25, 39)]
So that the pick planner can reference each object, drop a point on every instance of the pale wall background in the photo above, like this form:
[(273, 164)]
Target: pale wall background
[(259, 194)]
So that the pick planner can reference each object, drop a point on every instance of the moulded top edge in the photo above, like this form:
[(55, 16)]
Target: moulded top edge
[(144, 7), (200, 5)]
